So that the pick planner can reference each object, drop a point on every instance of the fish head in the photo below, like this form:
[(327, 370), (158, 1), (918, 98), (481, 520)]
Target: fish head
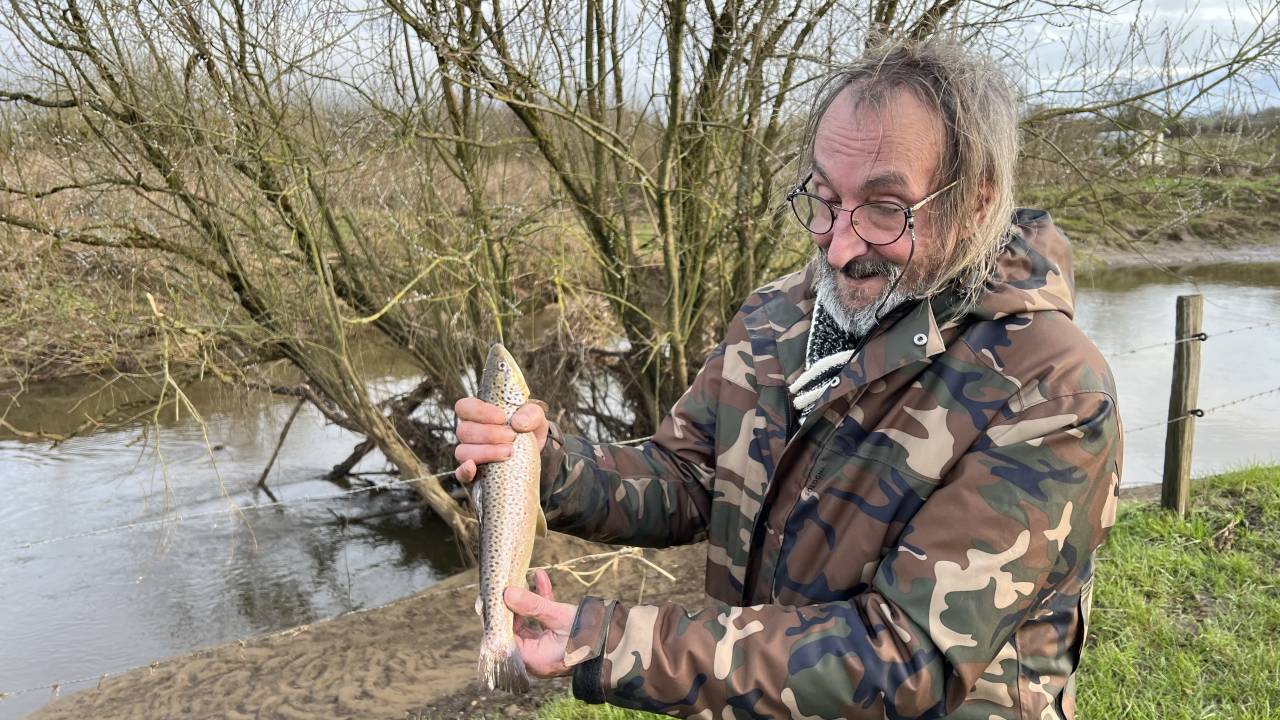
[(502, 383)]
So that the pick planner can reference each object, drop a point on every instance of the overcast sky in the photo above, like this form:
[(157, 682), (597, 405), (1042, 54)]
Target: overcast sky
[(1186, 35)]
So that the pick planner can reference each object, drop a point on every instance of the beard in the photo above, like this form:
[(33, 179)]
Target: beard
[(851, 310)]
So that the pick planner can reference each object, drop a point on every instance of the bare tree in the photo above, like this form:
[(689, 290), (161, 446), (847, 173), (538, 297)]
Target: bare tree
[(669, 125), (597, 183), (209, 142)]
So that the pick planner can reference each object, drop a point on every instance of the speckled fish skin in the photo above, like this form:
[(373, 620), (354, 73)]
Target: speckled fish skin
[(920, 546), (509, 512)]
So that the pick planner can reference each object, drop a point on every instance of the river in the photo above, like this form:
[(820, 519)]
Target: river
[(77, 605)]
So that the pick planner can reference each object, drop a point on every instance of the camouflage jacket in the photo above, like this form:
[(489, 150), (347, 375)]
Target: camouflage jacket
[(921, 547)]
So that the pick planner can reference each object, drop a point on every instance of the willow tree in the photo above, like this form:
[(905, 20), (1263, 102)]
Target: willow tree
[(290, 226), (669, 126)]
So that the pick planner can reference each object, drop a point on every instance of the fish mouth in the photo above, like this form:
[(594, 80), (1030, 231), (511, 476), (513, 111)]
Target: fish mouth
[(502, 377)]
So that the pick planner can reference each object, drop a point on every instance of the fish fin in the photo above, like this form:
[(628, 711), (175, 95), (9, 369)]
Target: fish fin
[(479, 606), (541, 524), (475, 491), (502, 668)]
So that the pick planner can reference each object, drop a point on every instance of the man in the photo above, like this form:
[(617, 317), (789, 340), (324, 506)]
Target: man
[(902, 458)]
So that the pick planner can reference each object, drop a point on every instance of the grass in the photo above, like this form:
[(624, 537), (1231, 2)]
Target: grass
[(1186, 613), (1221, 210)]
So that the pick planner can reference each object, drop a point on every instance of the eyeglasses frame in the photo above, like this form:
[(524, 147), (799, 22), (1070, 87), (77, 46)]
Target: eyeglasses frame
[(909, 212)]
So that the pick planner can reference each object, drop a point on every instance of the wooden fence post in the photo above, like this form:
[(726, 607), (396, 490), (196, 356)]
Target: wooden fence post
[(1183, 396)]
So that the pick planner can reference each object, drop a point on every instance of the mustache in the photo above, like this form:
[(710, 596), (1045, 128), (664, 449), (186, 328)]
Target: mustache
[(859, 268)]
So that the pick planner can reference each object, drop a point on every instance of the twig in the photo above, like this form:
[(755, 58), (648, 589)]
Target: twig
[(591, 577), (262, 479)]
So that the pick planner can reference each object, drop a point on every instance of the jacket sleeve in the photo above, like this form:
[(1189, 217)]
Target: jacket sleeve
[(655, 494), (1017, 517)]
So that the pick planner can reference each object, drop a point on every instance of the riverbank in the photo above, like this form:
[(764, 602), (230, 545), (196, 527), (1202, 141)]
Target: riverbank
[(1185, 253), (412, 657), (415, 657), (47, 358)]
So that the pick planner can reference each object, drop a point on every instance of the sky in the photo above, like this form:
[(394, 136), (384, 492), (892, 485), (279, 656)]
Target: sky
[(1062, 50)]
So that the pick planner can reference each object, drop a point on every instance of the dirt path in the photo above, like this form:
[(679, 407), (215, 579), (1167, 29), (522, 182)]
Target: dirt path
[(415, 657)]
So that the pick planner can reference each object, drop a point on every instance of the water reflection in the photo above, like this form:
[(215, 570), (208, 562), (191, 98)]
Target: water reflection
[(1134, 307), (108, 602)]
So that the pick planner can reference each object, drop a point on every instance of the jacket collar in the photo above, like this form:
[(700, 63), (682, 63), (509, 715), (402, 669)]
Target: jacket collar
[(1033, 275), (779, 329)]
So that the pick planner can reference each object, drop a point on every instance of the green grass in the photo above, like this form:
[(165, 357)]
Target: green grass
[(570, 709), (1222, 210), (1186, 615)]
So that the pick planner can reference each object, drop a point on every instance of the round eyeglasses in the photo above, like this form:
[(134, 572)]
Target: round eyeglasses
[(880, 222)]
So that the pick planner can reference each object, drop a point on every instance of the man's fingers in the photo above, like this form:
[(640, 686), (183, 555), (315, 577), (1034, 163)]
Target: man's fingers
[(528, 418), (542, 581), (477, 410), (466, 472), (526, 604), (484, 434), (481, 453)]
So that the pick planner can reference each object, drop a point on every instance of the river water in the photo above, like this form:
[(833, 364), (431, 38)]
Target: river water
[(78, 607)]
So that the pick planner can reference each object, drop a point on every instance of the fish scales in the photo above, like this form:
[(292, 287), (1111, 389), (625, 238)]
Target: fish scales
[(507, 502)]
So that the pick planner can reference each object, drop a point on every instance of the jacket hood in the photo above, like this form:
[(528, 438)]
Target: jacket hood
[(1033, 270)]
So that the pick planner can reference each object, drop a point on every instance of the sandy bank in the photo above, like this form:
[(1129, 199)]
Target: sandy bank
[(415, 657)]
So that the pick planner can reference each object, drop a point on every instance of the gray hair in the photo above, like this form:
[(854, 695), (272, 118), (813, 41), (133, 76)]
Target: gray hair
[(979, 112)]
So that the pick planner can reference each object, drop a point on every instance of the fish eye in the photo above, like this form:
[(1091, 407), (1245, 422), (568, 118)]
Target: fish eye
[(502, 365)]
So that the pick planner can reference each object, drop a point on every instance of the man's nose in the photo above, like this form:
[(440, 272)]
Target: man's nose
[(845, 244)]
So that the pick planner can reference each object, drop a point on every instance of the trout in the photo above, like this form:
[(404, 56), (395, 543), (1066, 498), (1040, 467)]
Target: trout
[(505, 497)]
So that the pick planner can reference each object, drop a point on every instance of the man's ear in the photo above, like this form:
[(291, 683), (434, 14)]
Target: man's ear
[(986, 199)]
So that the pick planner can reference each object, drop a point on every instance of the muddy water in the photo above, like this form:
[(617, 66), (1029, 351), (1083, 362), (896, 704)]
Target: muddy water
[(1132, 308), (79, 607)]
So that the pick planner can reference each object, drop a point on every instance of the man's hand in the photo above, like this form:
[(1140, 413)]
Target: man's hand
[(484, 435), (542, 649)]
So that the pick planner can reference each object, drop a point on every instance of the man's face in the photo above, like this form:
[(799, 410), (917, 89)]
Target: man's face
[(874, 151)]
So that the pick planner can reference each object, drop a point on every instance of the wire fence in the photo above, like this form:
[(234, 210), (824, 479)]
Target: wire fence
[(54, 688), (1198, 412), (1201, 336)]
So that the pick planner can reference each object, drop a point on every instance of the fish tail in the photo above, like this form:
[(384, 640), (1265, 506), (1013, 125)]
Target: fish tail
[(502, 668)]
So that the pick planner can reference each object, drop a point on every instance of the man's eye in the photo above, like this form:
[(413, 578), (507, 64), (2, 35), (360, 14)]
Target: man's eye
[(884, 209)]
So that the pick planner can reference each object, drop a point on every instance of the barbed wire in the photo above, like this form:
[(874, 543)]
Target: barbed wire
[(1198, 336), (1201, 336), (1248, 327), (1198, 412)]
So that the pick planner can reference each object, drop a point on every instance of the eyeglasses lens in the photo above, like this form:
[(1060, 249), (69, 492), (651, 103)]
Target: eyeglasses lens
[(814, 214), (878, 223)]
